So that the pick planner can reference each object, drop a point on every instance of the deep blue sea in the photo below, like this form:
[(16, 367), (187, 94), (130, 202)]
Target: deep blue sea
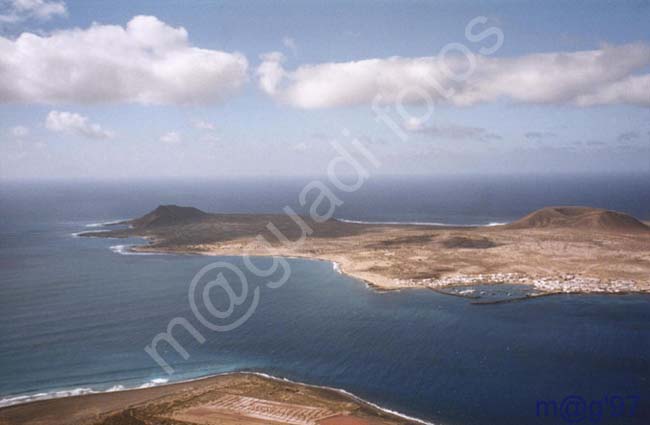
[(75, 315)]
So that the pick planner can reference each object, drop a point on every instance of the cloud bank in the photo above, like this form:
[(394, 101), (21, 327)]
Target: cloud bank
[(583, 78), (203, 125), (146, 62), (43, 10), (171, 138), (19, 132), (72, 123)]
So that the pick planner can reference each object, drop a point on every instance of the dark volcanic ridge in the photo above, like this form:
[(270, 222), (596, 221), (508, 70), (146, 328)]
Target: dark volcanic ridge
[(549, 217), (579, 218), (173, 225), (167, 215)]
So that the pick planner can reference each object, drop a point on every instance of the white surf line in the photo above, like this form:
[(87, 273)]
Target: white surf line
[(339, 390), (337, 267), (63, 393), (108, 223), (126, 250), (93, 234), (121, 249), (421, 223), (99, 225)]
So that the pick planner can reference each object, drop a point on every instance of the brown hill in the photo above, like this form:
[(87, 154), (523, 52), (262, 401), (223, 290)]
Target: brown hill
[(580, 218), (167, 215)]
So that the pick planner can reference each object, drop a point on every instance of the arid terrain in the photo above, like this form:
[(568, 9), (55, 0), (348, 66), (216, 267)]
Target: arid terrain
[(237, 399), (552, 250)]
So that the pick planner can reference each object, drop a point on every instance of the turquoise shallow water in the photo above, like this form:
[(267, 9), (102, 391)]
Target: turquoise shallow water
[(75, 316)]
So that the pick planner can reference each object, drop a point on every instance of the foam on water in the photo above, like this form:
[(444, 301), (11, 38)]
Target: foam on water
[(154, 382), (421, 223), (126, 250), (347, 393), (107, 223), (92, 234), (10, 401), (21, 399), (337, 267)]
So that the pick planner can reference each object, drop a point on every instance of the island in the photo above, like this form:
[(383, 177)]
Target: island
[(565, 249)]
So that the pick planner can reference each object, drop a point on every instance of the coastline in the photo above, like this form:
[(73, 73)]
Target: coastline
[(130, 398), (546, 285), (555, 250)]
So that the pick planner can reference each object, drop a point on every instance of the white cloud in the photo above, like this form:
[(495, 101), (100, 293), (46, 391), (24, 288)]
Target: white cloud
[(414, 124), (271, 73), (146, 62), (582, 78), (72, 123), (20, 10), (210, 138), (171, 138), (20, 132), (300, 147), (634, 90), (204, 125), (290, 44)]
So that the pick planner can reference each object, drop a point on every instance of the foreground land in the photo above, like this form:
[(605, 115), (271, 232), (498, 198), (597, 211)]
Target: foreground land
[(553, 250), (237, 399)]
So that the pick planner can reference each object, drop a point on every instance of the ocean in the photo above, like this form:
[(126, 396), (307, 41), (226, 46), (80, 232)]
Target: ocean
[(76, 313)]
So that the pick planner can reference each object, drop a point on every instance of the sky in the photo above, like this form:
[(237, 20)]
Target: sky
[(168, 88)]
